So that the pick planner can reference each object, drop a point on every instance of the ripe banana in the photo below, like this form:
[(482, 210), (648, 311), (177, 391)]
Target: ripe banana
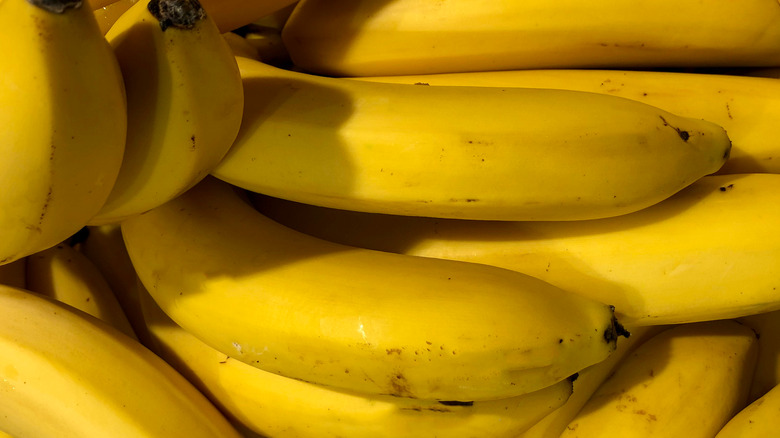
[(64, 122), (709, 252), (276, 406), (760, 419), (184, 103), (687, 381), (366, 38), (68, 276), (105, 248), (107, 15), (360, 320), (14, 273), (232, 14), (461, 152), (239, 46), (587, 382), (767, 374), (746, 107), (64, 373)]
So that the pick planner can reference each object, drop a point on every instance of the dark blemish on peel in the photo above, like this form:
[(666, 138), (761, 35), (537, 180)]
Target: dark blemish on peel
[(684, 135)]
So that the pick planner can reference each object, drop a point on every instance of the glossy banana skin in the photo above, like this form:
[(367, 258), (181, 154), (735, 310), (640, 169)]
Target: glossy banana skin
[(461, 152), (361, 320), (365, 38), (273, 405), (746, 107), (185, 105), (64, 373), (709, 252), (64, 122), (712, 359)]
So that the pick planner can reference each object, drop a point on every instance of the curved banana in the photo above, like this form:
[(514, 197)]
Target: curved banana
[(709, 252), (107, 15), (64, 373), (14, 273), (64, 122), (184, 103), (746, 107), (760, 419), (461, 152), (587, 382), (239, 46), (692, 374), (105, 248), (68, 276), (360, 320), (767, 374), (232, 14), (366, 38), (275, 406)]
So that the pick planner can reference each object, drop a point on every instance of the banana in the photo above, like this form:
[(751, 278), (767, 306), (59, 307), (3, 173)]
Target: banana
[(107, 15), (267, 41), (758, 420), (461, 152), (68, 276), (746, 107), (232, 14), (64, 373), (184, 103), (709, 252), (239, 46), (13, 274), (276, 406), (368, 38), (687, 381), (105, 248), (767, 374), (587, 382), (64, 122), (356, 319)]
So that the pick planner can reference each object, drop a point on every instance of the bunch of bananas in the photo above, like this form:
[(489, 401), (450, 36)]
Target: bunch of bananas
[(389, 218)]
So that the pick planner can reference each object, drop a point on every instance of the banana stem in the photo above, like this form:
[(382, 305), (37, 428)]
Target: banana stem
[(182, 14)]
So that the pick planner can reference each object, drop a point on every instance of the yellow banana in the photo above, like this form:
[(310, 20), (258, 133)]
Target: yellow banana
[(63, 121), (365, 38), (105, 248), (68, 276), (587, 382), (232, 14), (709, 252), (767, 374), (13, 274), (64, 373), (760, 419), (239, 46), (267, 41), (276, 406), (687, 381), (462, 152), (184, 103), (746, 107), (107, 15), (361, 320)]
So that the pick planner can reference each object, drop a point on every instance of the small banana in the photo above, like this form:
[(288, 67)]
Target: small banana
[(366, 38), (66, 275), (276, 406), (366, 321), (105, 248), (184, 103), (709, 252), (746, 107), (587, 382), (66, 374), (63, 118), (686, 381), (461, 152), (760, 419), (767, 374)]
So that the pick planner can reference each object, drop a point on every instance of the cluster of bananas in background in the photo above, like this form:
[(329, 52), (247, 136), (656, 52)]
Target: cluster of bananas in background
[(389, 218)]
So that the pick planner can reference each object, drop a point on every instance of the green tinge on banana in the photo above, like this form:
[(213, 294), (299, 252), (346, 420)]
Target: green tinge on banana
[(461, 152), (356, 319)]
